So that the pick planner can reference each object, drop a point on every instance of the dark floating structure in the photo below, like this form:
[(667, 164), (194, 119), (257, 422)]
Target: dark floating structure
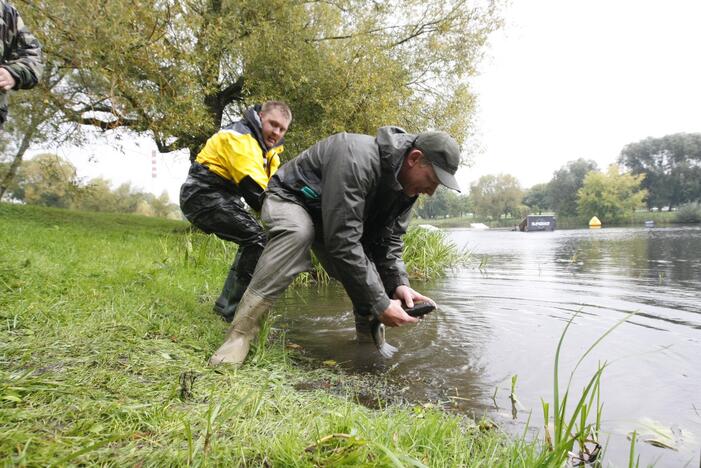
[(537, 223)]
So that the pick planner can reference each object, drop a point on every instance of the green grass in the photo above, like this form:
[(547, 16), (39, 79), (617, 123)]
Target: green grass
[(430, 254), (105, 331)]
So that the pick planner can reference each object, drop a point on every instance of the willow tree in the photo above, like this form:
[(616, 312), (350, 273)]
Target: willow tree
[(179, 69)]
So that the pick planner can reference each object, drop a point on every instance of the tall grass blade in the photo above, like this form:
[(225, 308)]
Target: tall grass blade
[(90, 448)]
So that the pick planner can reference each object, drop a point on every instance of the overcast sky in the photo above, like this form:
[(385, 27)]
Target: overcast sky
[(563, 80), (569, 79)]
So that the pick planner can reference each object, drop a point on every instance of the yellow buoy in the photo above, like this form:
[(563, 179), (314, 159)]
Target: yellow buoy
[(594, 223)]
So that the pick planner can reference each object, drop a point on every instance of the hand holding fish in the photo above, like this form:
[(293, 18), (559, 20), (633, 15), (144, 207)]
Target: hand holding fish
[(409, 312), (395, 315), (408, 296)]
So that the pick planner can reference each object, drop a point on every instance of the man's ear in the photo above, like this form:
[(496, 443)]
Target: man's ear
[(414, 156)]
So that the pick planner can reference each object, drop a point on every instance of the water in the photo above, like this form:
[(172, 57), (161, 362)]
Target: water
[(504, 315)]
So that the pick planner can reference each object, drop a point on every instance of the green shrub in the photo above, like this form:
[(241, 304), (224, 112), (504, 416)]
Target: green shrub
[(428, 253), (688, 213)]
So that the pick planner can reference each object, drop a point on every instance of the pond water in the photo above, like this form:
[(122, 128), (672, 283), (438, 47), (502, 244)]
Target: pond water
[(503, 316)]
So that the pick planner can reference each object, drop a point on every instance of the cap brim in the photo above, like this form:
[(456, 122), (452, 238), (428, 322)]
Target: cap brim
[(446, 178)]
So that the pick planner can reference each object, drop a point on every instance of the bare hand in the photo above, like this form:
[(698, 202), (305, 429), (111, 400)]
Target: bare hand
[(408, 296), (6, 80), (394, 315)]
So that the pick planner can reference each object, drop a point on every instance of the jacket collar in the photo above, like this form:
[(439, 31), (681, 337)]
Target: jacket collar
[(394, 143)]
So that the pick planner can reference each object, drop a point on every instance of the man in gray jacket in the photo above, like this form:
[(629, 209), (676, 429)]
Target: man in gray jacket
[(349, 198), (20, 56)]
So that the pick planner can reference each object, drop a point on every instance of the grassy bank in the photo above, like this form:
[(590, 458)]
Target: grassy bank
[(105, 329)]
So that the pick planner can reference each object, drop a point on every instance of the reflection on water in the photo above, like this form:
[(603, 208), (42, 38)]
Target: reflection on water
[(505, 318)]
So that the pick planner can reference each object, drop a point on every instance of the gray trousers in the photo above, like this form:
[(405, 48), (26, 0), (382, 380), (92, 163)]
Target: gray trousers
[(291, 237)]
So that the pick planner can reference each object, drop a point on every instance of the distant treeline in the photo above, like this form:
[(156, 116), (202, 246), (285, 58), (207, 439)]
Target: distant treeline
[(655, 173), (49, 180)]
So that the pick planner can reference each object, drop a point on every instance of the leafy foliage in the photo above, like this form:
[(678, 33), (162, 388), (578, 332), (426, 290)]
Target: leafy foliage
[(566, 182), (688, 213), (48, 180), (612, 196), (30, 121), (443, 203), (178, 70), (496, 195), (537, 198), (671, 166)]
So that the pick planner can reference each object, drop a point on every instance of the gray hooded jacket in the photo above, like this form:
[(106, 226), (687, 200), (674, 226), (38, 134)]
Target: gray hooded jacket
[(348, 183)]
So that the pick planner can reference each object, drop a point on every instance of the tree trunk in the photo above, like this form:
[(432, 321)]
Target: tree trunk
[(10, 176)]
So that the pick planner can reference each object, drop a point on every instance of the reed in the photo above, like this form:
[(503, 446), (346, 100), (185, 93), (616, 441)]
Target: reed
[(575, 431), (429, 254)]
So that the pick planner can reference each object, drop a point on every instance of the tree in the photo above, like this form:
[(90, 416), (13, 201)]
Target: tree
[(671, 165), (458, 204), (443, 203), (566, 182), (498, 195), (96, 195), (30, 121), (46, 180), (433, 206), (537, 198), (50, 180), (612, 197), (178, 70), (162, 207)]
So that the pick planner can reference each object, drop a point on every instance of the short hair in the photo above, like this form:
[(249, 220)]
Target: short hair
[(279, 105)]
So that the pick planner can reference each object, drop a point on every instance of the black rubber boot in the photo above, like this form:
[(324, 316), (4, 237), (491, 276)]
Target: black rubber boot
[(231, 294), (238, 280), (363, 330)]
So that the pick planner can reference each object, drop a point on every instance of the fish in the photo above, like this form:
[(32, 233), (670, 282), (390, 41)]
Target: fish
[(377, 328)]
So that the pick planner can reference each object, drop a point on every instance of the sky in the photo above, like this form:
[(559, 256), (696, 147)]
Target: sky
[(562, 80), (581, 79)]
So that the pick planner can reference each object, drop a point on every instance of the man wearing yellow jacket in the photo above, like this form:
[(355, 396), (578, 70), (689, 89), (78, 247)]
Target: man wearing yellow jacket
[(236, 162)]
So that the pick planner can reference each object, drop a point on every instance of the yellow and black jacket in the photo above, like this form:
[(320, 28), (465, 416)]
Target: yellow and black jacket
[(238, 154)]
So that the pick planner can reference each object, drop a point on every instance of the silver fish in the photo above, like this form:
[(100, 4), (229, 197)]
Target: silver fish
[(377, 330)]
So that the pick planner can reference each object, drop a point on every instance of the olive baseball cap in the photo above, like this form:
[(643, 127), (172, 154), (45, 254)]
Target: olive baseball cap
[(444, 154)]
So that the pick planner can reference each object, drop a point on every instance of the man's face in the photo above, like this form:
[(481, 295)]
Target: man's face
[(417, 176), (274, 125)]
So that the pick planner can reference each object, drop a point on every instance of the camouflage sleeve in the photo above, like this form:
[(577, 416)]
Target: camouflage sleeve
[(22, 57)]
